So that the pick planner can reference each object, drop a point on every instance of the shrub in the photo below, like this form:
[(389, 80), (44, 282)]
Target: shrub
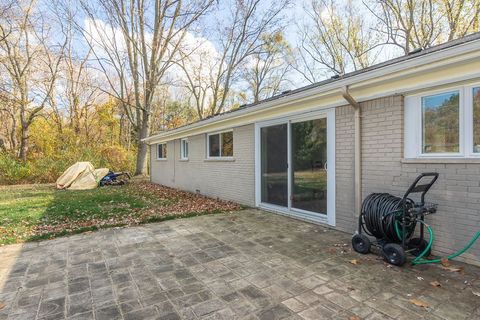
[(11, 170), (117, 158), (47, 168)]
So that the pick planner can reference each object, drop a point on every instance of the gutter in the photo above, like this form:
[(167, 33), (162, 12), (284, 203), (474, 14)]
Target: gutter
[(358, 149)]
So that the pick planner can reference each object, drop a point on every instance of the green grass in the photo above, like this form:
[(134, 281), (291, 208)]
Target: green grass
[(310, 180), (305, 181), (39, 212)]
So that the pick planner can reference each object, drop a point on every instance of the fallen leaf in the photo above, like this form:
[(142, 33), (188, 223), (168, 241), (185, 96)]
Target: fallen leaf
[(453, 269), (445, 262), (2, 305), (476, 293), (354, 261), (354, 318), (419, 303), (435, 284)]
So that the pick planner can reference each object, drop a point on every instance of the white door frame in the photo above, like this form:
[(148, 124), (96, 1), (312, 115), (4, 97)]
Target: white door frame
[(329, 218)]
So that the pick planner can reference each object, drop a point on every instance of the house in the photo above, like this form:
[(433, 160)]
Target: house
[(314, 153)]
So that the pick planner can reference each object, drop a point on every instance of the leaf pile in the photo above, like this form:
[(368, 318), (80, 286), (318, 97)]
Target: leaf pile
[(182, 202)]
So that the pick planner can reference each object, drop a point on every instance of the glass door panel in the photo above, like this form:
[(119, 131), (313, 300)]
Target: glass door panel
[(309, 165), (274, 165)]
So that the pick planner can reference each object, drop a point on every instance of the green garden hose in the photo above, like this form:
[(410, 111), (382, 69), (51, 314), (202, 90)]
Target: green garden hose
[(419, 260)]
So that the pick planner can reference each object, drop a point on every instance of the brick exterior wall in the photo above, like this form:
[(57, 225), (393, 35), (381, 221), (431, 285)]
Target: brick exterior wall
[(457, 190), (229, 180)]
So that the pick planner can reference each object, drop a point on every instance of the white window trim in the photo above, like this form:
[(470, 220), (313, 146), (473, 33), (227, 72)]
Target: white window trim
[(220, 157), (413, 124), (182, 150), (166, 147), (330, 217)]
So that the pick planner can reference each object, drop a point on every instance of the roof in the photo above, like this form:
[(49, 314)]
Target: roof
[(413, 55)]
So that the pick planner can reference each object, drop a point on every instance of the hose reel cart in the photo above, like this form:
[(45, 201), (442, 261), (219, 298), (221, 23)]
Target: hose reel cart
[(392, 221)]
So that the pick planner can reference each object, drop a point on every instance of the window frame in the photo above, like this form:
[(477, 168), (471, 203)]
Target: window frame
[(166, 152), (184, 142), (220, 156), (413, 127)]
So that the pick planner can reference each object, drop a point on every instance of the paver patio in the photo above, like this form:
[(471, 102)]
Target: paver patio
[(246, 265)]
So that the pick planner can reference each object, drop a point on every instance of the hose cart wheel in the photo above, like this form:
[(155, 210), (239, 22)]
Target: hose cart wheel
[(394, 254), (417, 246), (361, 243)]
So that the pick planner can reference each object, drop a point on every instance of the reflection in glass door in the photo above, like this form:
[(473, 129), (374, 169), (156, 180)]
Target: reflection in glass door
[(274, 165), (295, 166), (309, 165)]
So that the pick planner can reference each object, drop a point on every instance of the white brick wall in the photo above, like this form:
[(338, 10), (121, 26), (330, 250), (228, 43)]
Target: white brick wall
[(457, 190), (229, 180)]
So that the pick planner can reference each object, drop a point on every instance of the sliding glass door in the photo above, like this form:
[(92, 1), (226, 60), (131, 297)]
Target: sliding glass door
[(274, 165), (309, 165), (294, 159)]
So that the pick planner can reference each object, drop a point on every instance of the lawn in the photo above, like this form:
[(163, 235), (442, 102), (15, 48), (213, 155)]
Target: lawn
[(36, 212)]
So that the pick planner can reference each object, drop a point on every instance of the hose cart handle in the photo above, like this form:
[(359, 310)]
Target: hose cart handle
[(423, 188)]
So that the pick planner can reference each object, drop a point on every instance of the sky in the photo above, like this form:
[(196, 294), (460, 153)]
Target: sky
[(294, 15)]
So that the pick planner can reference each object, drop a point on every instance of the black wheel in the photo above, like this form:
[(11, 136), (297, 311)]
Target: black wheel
[(361, 243), (394, 254), (418, 245)]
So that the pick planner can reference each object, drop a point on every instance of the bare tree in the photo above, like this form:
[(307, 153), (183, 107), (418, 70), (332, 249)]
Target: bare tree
[(135, 42), (266, 71), (79, 83), (408, 24), (334, 39), (8, 139), (413, 24), (32, 64), (5, 7), (462, 16), (238, 37), (198, 66)]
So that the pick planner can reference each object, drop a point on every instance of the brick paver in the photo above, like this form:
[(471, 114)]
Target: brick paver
[(246, 265)]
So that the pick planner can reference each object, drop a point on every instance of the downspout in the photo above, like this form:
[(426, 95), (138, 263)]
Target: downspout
[(358, 149), (174, 162)]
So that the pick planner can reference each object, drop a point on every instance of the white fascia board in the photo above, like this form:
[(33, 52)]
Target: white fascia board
[(430, 61)]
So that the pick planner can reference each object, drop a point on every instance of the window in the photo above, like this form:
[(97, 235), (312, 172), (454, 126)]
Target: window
[(162, 151), (220, 145), (184, 149), (476, 119), (443, 123), (227, 144)]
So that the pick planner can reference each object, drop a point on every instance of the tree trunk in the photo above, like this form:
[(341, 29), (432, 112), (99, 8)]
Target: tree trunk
[(142, 152), (13, 135), (24, 143)]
